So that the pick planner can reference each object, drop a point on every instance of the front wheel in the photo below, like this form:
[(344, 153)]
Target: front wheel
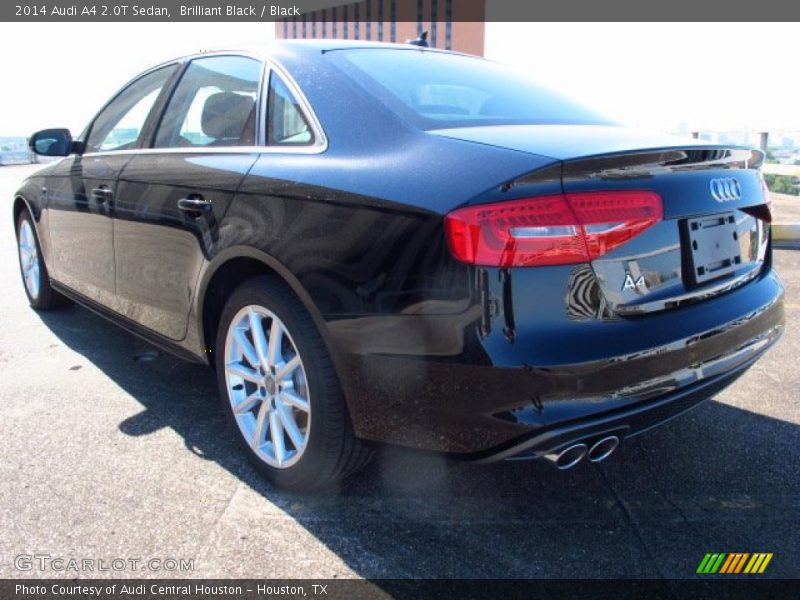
[(41, 295), (280, 391)]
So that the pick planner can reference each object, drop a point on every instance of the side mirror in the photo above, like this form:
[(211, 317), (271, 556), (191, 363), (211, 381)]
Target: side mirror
[(53, 142)]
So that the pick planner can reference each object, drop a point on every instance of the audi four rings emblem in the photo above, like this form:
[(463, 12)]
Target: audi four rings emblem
[(725, 189)]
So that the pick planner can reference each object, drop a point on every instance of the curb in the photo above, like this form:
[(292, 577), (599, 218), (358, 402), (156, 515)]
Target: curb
[(786, 232)]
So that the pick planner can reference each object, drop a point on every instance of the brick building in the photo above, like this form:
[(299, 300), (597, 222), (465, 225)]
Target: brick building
[(451, 24)]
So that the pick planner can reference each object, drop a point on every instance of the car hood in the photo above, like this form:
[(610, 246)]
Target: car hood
[(563, 142)]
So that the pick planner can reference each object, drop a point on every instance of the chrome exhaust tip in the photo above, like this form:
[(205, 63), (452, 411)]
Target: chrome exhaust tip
[(568, 457), (603, 448)]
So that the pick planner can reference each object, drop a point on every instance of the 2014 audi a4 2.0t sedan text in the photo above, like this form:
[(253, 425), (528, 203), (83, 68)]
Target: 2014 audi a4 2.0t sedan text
[(387, 243)]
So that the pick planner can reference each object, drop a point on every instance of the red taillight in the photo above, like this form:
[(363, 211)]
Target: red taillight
[(762, 211), (550, 230), (764, 188)]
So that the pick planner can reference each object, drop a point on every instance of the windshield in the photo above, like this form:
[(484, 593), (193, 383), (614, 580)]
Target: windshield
[(437, 90)]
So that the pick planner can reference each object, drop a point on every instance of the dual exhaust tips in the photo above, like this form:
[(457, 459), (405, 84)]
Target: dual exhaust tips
[(575, 453)]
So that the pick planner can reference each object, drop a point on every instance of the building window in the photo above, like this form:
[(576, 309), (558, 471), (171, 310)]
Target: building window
[(434, 19), (394, 21), (448, 28), (380, 20)]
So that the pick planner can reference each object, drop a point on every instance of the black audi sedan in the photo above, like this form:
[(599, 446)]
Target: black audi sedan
[(387, 243)]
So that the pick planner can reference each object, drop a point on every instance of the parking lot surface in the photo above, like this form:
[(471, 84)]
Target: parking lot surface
[(113, 450)]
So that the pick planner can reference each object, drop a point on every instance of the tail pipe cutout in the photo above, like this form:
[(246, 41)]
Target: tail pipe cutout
[(571, 455)]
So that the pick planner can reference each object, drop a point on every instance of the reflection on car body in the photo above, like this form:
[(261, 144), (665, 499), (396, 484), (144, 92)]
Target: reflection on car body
[(385, 243)]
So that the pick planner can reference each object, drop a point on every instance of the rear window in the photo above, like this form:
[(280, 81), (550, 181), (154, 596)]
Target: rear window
[(438, 90)]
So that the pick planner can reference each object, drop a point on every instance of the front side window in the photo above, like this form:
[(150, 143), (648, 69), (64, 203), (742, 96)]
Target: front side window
[(213, 105), (119, 125), (287, 125)]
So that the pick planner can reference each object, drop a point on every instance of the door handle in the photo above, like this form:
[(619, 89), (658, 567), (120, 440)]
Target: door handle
[(102, 193), (194, 205)]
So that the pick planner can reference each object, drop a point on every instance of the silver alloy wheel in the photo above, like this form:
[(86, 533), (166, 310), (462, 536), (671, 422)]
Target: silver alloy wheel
[(267, 386), (29, 259)]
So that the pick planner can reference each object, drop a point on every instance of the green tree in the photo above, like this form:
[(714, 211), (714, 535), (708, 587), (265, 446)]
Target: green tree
[(782, 184)]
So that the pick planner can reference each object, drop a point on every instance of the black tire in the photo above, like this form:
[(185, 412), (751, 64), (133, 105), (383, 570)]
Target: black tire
[(332, 451), (47, 298)]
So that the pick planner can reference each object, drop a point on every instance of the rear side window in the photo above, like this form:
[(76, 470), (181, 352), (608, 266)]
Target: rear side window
[(437, 90), (213, 105), (120, 123), (287, 125)]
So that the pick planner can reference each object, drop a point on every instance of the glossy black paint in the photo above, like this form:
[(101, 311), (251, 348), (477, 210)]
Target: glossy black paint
[(158, 247), (431, 353), (81, 224)]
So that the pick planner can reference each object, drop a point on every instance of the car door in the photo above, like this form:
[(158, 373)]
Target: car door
[(170, 198), (81, 190)]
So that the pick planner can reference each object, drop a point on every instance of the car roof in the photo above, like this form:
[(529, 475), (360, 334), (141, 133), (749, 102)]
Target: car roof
[(306, 48)]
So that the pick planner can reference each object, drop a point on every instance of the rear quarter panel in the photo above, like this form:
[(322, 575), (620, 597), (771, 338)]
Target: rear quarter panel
[(363, 233)]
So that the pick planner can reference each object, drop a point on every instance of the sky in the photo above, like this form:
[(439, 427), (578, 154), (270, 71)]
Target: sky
[(710, 76), (60, 74)]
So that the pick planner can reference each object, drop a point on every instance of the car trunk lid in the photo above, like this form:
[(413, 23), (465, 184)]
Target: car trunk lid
[(713, 234)]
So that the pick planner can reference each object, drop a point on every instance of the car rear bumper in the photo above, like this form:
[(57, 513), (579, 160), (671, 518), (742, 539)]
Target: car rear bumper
[(630, 421), (488, 405)]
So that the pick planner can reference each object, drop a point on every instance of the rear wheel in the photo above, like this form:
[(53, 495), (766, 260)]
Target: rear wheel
[(280, 390), (32, 268)]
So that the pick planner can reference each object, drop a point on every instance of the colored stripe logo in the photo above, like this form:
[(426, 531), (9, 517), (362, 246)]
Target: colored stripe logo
[(734, 562)]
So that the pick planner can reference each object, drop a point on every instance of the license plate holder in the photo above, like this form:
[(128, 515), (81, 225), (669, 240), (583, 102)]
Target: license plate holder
[(714, 250)]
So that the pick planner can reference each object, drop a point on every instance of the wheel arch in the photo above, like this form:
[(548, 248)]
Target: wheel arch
[(229, 269), (21, 203)]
